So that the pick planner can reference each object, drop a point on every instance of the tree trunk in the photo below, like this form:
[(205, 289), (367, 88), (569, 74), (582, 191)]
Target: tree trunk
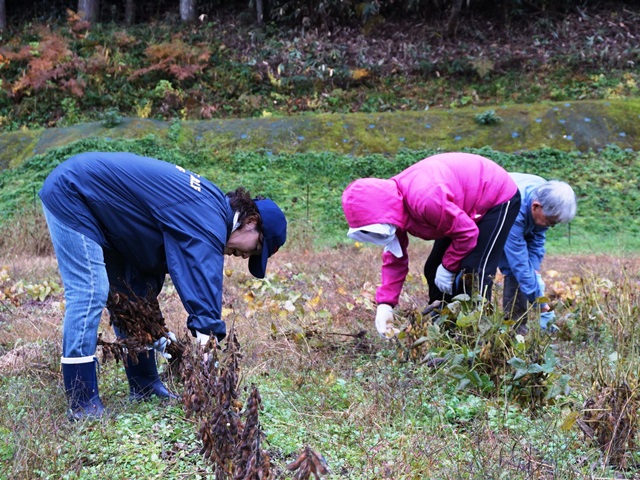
[(454, 18), (130, 12), (88, 9), (188, 11), (3, 16), (260, 12)]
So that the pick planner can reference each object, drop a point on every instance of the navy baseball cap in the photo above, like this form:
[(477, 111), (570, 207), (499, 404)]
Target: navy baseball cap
[(274, 234)]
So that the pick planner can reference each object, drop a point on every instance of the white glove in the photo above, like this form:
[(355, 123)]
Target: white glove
[(544, 307), (384, 321), (540, 284), (444, 279), (202, 338), (161, 344)]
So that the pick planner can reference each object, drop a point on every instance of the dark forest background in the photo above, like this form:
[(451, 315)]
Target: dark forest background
[(303, 13)]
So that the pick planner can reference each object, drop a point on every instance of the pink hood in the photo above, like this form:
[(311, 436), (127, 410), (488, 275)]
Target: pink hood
[(373, 200)]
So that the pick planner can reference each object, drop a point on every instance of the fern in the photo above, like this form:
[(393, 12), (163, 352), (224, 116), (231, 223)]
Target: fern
[(176, 58)]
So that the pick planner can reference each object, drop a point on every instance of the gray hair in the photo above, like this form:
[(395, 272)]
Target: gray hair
[(557, 200)]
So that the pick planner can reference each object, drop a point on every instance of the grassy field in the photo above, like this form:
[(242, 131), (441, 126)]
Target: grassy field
[(371, 407), (493, 405), (469, 402)]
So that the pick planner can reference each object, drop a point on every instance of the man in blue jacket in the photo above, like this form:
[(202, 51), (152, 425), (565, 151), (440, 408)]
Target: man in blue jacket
[(544, 205), (124, 221)]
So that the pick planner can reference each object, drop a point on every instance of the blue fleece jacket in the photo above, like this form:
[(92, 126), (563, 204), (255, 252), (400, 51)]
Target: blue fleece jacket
[(151, 218), (524, 249)]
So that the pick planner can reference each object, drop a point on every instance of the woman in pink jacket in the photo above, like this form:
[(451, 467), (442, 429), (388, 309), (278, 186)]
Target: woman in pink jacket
[(465, 202)]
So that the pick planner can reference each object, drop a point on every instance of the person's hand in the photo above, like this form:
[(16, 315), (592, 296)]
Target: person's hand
[(541, 286), (202, 338), (547, 320), (384, 321), (161, 344), (444, 280)]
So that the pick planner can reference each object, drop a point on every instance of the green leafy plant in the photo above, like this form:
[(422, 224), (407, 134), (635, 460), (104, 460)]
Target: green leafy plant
[(487, 118), (111, 118), (468, 342), (537, 382), (70, 110)]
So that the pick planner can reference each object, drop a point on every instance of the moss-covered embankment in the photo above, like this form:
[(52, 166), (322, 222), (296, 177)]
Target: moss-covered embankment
[(565, 126)]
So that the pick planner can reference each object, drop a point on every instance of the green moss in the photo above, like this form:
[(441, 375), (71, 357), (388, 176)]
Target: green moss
[(564, 126), (15, 147)]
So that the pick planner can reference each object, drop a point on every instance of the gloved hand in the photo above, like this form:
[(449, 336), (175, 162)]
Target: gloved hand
[(547, 320), (161, 344), (384, 321), (202, 338), (541, 286), (444, 279)]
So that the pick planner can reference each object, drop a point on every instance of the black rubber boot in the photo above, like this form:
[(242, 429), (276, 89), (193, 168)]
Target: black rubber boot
[(81, 388), (144, 380)]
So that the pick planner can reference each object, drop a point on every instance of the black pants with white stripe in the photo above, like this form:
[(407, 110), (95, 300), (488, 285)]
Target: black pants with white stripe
[(479, 267)]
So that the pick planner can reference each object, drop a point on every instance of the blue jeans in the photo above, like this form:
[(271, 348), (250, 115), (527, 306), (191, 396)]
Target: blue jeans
[(86, 288)]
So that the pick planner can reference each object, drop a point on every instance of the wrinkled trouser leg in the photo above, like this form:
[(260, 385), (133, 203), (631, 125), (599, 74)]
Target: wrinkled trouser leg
[(84, 277), (514, 303), (86, 287), (482, 262)]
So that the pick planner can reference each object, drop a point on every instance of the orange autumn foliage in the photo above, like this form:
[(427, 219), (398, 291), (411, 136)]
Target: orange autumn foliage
[(178, 59), (50, 64)]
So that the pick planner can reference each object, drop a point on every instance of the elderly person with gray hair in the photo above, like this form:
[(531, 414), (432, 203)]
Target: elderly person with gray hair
[(544, 204)]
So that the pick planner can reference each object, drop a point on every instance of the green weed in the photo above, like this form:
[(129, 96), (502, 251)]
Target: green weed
[(487, 118)]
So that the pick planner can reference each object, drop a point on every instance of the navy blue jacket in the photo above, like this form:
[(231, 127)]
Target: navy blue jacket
[(151, 218)]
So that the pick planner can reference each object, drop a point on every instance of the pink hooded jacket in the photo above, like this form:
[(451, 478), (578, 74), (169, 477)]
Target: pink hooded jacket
[(444, 195)]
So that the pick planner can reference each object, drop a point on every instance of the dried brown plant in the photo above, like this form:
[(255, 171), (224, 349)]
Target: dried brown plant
[(231, 437), (141, 320), (610, 419), (251, 461), (307, 464)]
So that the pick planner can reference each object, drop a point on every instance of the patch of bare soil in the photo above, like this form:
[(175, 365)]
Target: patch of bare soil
[(30, 358), (341, 277)]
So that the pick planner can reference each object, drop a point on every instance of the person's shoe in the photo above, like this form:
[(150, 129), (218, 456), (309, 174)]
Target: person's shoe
[(144, 380), (522, 329), (81, 388)]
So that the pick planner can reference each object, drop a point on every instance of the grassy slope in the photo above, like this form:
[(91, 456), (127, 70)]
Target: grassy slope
[(308, 185)]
